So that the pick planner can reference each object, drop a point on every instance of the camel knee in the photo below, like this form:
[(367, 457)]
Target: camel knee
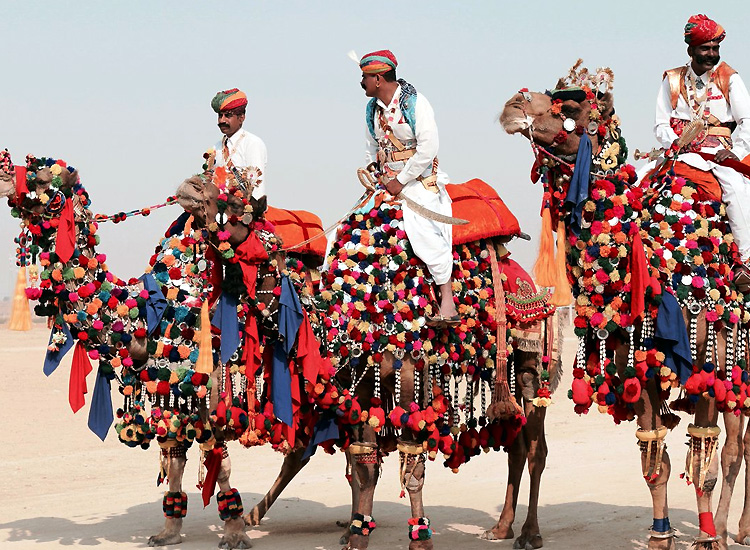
[(366, 464), (701, 466), (654, 460)]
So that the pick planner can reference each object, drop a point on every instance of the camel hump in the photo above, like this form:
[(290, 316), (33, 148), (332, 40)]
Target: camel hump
[(488, 215), (300, 230)]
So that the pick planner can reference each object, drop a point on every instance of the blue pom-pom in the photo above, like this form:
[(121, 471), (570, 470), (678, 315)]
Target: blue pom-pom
[(693, 398), (610, 398), (709, 367)]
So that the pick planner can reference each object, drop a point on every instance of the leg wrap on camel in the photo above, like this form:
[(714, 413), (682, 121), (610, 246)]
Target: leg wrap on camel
[(701, 469), (362, 525), (656, 474), (230, 504), (701, 454), (652, 445), (175, 504), (410, 456), (364, 453)]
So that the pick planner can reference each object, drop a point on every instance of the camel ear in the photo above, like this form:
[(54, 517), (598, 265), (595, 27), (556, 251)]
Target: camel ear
[(606, 104), (69, 179), (262, 206)]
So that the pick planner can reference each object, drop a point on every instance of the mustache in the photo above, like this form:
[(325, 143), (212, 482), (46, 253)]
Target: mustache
[(714, 59), (223, 125)]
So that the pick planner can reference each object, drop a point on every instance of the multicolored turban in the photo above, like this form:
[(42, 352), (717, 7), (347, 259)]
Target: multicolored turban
[(228, 100), (378, 62), (700, 29)]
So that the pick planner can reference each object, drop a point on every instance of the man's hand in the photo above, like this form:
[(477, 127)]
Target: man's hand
[(394, 187), (724, 154)]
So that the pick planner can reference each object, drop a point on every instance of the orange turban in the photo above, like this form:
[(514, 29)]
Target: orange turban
[(378, 62), (700, 29), (228, 100)]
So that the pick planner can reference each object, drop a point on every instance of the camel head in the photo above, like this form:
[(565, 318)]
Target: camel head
[(218, 204), (48, 184), (581, 103)]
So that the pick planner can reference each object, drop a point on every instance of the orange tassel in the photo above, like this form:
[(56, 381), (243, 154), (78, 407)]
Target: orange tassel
[(20, 316), (562, 296), (205, 363), (544, 268)]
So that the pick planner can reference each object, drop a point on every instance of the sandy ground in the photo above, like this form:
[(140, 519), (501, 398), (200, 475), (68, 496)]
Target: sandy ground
[(63, 488)]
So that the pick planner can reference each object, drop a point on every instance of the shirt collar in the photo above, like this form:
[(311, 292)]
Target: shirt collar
[(394, 99), (704, 77), (233, 140)]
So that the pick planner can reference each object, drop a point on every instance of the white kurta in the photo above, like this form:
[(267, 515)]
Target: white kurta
[(431, 241), (734, 186), (245, 150)]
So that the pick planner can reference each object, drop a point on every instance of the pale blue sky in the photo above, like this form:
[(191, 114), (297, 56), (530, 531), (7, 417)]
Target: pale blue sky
[(122, 91)]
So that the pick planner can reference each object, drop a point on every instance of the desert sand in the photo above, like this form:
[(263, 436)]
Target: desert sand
[(62, 487)]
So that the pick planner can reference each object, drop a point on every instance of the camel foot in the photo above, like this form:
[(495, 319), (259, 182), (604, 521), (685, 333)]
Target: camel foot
[(655, 543), (421, 544), (345, 536), (253, 518), (234, 535), (498, 532), (743, 539), (357, 542), (528, 542), (164, 538), (239, 541)]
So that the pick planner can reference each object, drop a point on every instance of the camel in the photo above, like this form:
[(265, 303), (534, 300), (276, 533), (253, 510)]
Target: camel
[(153, 337), (649, 264), (408, 389)]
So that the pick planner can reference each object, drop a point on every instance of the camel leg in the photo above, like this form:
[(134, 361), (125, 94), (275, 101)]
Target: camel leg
[(743, 536), (731, 461), (537, 459), (291, 466), (703, 470), (365, 472), (230, 509), (655, 465), (517, 454), (412, 472), (175, 501), (354, 486)]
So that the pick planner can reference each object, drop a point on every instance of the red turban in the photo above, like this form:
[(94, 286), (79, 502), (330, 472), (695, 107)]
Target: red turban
[(700, 29), (378, 62), (228, 100)]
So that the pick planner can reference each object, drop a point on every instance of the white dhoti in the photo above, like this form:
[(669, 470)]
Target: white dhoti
[(431, 241)]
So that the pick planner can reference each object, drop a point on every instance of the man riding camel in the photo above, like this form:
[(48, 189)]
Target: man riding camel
[(713, 93), (402, 142), (242, 153)]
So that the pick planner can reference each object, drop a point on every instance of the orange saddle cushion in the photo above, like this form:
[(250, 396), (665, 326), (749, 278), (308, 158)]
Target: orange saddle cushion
[(488, 216), (297, 226)]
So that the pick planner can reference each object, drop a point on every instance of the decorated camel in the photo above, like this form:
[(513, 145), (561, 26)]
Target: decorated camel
[(529, 336), (153, 336), (402, 379), (650, 266)]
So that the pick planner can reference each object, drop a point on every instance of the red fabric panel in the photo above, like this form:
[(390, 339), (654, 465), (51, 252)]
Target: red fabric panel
[(65, 241), (80, 368)]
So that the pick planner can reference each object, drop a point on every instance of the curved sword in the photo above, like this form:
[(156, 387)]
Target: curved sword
[(367, 179)]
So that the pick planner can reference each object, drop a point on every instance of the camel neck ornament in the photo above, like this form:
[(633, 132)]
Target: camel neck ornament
[(649, 264)]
